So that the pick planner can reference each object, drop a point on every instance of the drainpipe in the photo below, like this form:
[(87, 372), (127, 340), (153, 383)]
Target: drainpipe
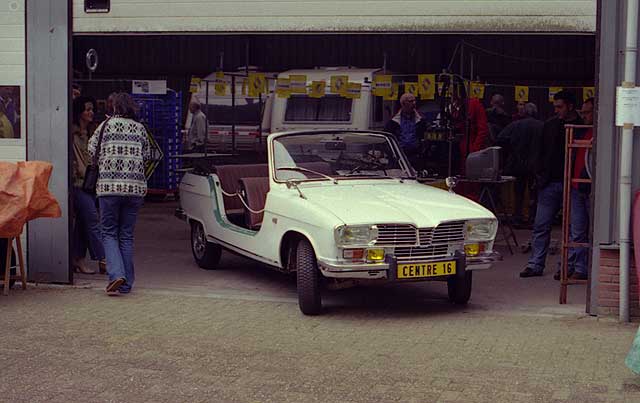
[(626, 159)]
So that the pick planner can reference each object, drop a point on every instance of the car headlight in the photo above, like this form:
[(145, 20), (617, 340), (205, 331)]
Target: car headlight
[(481, 230), (355, 234)]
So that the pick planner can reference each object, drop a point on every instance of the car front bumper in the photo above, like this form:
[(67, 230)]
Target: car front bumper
[(387, 270)]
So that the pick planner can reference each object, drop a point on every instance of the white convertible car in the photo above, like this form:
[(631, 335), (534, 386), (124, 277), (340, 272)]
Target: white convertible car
[(337, 208)]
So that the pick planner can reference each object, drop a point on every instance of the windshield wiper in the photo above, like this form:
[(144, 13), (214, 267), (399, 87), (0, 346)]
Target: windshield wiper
[(301, 169), (350, 174)]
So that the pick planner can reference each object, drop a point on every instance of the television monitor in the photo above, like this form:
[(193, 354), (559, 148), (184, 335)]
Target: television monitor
[(483, 164)]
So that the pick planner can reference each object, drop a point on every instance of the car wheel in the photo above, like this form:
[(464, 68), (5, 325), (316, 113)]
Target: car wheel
[(308, 279), (459, 288), (206, 254)]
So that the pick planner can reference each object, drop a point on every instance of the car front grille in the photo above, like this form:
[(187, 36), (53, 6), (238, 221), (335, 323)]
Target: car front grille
[(446, 233), (396, 235), (436, 242), (428, 252)]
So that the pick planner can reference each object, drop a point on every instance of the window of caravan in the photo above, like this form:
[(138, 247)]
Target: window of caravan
[(330, 108), (220, 112)]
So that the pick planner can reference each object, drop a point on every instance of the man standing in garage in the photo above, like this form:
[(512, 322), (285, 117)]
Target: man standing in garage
[(197, 135), (408, 127), (549, 179)]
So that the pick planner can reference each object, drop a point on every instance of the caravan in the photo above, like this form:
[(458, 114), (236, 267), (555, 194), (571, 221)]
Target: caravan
[(332, 111), (248, 117), (255, 118)]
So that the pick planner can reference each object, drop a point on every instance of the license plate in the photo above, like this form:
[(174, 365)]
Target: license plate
[(421, 270)]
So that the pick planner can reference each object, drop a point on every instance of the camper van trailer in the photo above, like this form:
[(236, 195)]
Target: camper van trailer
[(251, 115), (255, 118), (332, 111)]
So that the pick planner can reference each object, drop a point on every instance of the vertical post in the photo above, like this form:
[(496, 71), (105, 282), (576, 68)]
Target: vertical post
[(384, 63), (462, 61), (233, 114), (206, 102), (48, 90), (626, 159), (260, 116)]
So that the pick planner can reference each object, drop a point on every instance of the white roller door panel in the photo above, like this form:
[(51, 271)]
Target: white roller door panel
[(342, 16)]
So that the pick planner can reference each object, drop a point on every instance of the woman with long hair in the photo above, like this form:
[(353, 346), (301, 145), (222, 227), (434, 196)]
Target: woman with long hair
[(86, 228), (121, 187)]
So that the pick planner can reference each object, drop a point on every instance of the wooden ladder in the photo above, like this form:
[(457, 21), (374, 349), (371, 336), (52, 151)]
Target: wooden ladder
[(571, 144)]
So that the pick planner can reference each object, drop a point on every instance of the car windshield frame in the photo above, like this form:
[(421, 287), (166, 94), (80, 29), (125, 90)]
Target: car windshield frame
[(403, 170)]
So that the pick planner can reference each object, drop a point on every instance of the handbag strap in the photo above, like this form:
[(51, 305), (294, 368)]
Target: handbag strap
[(96, 155)]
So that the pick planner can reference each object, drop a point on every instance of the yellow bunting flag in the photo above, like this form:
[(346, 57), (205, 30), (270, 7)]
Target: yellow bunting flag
[(411, 88), (395, 92), (477, 90), (588, 92), (220, 85), (283, 88), (244, 86), (298, 83), (257, 84), (317, 89), (553, 91), (354, 90), (194, 86), (427, 86), (522, 93), (381, 85), (440, 86), (339, 84)]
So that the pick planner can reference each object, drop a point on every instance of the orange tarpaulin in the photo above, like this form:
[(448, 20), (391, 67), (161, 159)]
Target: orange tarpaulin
[(24, 195)]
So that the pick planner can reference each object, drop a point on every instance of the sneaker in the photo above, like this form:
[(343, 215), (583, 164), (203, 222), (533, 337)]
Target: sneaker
[(529, 272), (114, 285), (579, 276)]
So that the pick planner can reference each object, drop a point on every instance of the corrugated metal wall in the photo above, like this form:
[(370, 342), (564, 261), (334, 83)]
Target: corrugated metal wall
[(12, 68)]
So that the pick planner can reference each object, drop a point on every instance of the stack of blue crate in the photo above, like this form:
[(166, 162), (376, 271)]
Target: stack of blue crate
[(162, 115)]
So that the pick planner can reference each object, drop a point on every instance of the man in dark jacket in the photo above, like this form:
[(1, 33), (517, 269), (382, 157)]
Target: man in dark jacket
[(497, 117), (408, 127), (517, 140), (549, 179)]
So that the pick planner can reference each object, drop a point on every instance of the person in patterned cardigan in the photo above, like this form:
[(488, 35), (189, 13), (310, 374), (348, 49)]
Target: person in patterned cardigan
[(121, 187)]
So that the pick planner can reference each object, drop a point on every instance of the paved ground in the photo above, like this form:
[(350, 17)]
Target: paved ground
[(236, 335)]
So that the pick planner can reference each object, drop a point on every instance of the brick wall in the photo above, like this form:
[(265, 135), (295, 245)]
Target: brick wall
[(609, 283)]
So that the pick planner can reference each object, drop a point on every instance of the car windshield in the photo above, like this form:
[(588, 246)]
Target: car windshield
[(333, 156)]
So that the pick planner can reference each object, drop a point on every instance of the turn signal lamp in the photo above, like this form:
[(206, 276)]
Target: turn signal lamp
[(353, 254), (375, 255)]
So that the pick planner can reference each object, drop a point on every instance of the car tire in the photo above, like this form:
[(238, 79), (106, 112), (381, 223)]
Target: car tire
[(308, 279), (459, 288), (206, 254)]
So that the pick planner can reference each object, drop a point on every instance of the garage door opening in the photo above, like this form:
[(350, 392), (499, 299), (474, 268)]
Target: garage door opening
[(187, 66)]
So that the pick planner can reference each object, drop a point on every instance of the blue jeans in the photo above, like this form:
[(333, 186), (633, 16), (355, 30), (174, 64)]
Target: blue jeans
[(578, 257), (549, 204), (118, 217), (86, 229)]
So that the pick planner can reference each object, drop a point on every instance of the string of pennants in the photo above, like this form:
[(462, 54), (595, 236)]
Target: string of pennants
[(426, 87)]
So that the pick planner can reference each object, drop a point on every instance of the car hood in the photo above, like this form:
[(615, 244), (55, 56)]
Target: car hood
[(378, 202)]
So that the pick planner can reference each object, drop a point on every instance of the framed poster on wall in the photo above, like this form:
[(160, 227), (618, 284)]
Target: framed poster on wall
[(10, 112)]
